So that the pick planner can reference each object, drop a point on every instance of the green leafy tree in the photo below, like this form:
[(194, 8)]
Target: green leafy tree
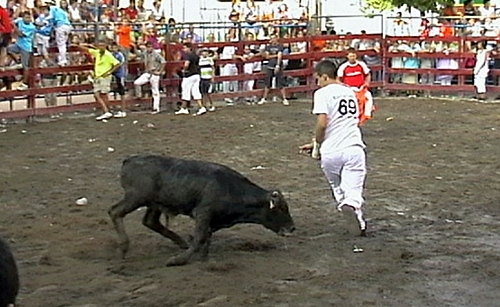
[(377, 6)]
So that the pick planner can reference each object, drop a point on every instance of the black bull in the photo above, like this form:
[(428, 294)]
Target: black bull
[(214, 195), (9, 278)]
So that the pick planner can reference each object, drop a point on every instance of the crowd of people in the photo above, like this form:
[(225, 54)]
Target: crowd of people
[(32, 31)]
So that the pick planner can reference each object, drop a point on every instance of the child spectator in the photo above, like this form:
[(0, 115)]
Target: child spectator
[(207, 74), (119, 76), (23, 47)]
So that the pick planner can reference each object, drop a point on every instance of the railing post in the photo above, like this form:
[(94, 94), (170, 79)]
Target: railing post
[(461, 64), (31, 85)]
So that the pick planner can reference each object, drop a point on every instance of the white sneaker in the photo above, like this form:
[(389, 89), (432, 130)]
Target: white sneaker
[(201, 111), (155, 112), (22, 87), (211, 109), (120, 114), (285, 102), (182, 111), (228, 100), (359, 216), (262, 101), (104, 116)]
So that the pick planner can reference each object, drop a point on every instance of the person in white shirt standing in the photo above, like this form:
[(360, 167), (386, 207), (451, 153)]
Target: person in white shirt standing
[(339, 140), (487, 10), (481, 70)]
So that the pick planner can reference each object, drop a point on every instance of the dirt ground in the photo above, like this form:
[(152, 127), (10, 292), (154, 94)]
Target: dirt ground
[(432, 192)]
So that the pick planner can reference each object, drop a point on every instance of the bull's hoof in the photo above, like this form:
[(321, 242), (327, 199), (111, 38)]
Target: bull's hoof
[(177, 261), (123, 247)]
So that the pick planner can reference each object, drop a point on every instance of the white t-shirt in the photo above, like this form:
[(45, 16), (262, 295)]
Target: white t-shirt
[(340, 105)]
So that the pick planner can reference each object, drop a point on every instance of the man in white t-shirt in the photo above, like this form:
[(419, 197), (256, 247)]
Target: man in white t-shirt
[(339, 139)]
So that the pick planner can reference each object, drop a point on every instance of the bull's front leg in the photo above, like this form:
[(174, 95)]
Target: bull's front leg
[(202, 235)]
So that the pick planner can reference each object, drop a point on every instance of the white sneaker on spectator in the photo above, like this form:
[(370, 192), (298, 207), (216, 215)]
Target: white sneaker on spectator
[(182, 111), (22, 87), (120, 114), (104, 116), (262, 101), (211, 109), (201, 111), (285, 102), (155, 112)]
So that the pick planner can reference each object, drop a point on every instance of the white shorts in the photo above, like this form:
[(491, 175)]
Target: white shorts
[(346, 172), (191, 88)]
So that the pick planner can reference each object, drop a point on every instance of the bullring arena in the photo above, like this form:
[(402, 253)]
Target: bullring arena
[(431, 195)]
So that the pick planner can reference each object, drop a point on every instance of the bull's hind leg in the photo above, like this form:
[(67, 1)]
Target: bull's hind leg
[(152, 221), (117, 213)]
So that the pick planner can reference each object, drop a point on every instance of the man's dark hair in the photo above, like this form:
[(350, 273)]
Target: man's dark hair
[(149, 44), (351, 50), (188, 45), (26, 13), (326, 67)]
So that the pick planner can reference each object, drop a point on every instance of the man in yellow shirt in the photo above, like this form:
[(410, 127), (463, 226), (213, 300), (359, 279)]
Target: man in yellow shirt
[(104, 65)]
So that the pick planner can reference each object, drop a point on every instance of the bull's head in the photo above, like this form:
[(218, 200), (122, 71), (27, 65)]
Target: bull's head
[(277, 217)]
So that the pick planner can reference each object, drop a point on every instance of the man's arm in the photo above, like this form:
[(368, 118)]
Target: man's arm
[(84, 47), (280, 59), (321, 123), (162, 67)]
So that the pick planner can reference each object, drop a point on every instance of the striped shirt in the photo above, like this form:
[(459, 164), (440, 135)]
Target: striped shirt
[(206, 67)]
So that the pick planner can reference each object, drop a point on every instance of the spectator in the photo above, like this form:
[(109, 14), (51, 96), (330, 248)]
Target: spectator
[(207, 74), (273, 52), (469, 9), (104, 65), (23, 7), (131, 12), (229, 69), (43, 34), (23, 47), (196, 39), (154, 67), (142, 13), (49, 80), (62, 26), (74, 12), (191, 81), (411, 62), (425, 26), (6, 29), (447, 62), (157, 11), (123, 32), (481, 70), (248, 69), (399, 26), (426, 63), (487, 11), (119, 75)]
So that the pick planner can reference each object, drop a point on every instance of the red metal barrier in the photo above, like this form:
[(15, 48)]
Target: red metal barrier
[(172, 52)]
